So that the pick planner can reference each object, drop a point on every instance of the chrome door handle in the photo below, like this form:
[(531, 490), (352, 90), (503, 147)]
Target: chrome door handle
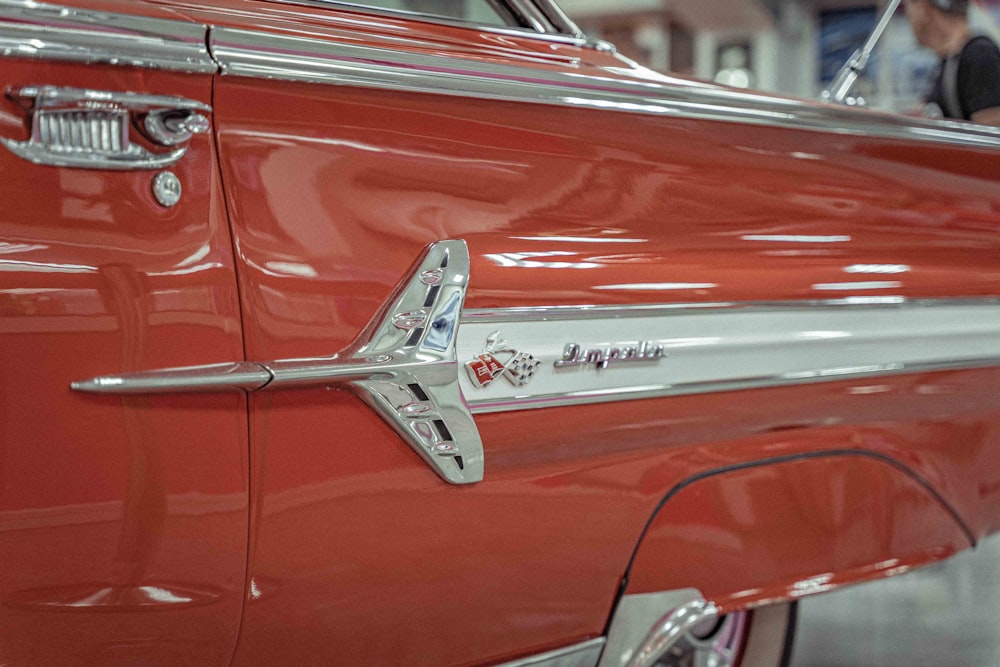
[(93, 129), (404, 366)]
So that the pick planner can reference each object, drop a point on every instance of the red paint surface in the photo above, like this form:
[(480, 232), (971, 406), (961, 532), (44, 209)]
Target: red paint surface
[(332, 204), (792, 529), (359, 554), (122, 520)]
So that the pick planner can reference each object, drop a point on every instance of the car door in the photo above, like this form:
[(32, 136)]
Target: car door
[(122, 510), (467, 251), (354, 210)]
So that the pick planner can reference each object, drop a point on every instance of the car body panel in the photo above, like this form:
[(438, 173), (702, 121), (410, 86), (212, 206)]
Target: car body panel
[(348, 143), (122, 520)]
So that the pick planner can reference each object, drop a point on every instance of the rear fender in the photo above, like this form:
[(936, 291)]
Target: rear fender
[(783, 528)]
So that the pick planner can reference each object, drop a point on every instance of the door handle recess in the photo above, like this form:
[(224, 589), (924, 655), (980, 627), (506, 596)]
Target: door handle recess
[(93, 129), (403, 365)]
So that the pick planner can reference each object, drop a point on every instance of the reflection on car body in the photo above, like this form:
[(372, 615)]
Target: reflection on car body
[(343, 334)]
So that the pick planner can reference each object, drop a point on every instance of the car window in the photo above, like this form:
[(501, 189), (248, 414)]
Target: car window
[(482, 12)]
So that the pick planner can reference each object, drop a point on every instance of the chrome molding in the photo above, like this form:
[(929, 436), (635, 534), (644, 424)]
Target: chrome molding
[(567, 33), (241, 376), (256, 54), (559, 19), (403, 366), (724, 347), (31, 29), (585, 654)]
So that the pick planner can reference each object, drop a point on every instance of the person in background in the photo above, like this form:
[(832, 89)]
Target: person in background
[(967, 85)]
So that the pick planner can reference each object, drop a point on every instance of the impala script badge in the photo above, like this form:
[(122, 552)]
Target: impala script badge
[(498, 358), (602, 357)]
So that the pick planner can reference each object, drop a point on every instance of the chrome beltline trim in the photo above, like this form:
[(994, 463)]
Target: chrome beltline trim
[(610, 354), (305, 59), (53, 32), (585, 654), (235, 376)]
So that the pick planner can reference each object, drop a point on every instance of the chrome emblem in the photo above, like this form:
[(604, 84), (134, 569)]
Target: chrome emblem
[(499, 358), (411, 320), (432, 277), (602, 357)]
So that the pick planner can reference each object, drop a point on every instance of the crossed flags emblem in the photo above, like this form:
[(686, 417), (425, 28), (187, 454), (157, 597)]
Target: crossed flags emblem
[(499, 358)]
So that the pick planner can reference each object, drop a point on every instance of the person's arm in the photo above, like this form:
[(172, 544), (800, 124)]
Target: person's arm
[(979, 81), (989, 116)]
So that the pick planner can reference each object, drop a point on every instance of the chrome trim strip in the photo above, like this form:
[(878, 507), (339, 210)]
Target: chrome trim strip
[(562, 22), (361, 8), (530, 14), (40, 30), (585, 654), (240, 376), (723, 347), (255, 54), (566, 36), (688, 389)]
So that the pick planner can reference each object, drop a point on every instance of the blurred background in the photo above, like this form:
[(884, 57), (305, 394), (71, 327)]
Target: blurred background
[(793, 47)]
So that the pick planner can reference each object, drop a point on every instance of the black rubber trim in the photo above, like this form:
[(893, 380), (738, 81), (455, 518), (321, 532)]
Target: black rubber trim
[(790, 627)]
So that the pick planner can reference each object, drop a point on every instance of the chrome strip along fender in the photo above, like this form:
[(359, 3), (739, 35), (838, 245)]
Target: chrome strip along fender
[(256, 54), (46, 31), (403, 365)]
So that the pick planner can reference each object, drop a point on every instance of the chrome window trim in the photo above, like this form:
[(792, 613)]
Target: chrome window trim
[(560, 20), (361, 8), (540, 18), (305, 59), (40, 30), (531, 14)]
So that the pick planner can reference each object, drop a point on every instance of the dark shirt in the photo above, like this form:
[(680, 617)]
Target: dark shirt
[(978, 79)]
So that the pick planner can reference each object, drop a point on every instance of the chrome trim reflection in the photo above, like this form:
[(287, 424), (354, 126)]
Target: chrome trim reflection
[(635, 393), (255, 54), (241, 376), (567, 33), (713, 348), (41, 30), (585, 654)]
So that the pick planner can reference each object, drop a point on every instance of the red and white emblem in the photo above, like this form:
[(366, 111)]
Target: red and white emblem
[(499, 358)]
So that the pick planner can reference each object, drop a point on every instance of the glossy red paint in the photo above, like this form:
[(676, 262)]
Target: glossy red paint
[(333, 191), (358, 553), (112, 508), (788, 529)]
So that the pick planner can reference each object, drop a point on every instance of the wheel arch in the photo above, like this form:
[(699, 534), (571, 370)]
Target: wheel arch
[(781, 528)]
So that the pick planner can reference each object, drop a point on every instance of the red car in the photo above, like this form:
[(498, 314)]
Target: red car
[(438, 334)]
